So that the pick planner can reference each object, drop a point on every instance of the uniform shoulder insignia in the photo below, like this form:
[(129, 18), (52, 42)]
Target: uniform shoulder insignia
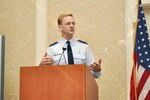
[(82, 41), (53, 44)]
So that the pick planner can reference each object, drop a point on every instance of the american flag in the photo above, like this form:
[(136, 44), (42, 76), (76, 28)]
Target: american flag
[(140, 80)]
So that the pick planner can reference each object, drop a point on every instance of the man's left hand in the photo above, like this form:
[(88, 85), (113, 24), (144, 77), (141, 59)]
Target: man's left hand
[(96, 67)]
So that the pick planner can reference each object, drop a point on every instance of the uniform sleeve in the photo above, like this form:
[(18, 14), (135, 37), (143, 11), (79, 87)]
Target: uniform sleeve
[(89, 60), (49, 52)]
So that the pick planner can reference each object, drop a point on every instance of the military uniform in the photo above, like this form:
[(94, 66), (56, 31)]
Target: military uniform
[(81, 53)]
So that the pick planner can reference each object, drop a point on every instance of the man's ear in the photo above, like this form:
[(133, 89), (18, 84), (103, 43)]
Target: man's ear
[(60, 27)]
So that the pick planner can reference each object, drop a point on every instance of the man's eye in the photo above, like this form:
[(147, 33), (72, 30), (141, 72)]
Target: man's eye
[(69, 23)]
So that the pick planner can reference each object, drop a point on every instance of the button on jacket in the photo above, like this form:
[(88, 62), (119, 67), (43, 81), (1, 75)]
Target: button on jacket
[(81, 53)]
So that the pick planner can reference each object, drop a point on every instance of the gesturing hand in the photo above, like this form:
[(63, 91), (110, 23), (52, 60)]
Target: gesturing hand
[(46, 60), (96, 67)]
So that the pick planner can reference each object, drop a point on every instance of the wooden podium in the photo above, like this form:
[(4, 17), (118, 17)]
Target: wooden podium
[(63, 82)]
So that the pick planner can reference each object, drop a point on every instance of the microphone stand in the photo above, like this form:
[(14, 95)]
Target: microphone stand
[(61, 55)]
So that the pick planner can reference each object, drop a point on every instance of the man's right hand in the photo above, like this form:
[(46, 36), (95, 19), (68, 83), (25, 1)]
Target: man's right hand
[(46, 60)]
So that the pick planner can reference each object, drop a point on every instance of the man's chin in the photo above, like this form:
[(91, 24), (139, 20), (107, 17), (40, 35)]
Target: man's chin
[(71, 33)]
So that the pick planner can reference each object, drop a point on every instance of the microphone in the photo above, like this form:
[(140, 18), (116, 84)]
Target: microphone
[(61, 55), (64, 56), (64, 48)]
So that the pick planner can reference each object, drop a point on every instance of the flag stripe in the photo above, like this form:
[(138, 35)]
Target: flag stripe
[(140, 73), (145, 90), (148, 96), (142, 82)]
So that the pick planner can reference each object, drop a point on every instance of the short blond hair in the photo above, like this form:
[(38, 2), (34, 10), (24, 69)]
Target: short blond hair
[(60, 18)]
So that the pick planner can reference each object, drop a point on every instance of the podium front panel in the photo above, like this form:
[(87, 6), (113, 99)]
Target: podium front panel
[(53, 83)]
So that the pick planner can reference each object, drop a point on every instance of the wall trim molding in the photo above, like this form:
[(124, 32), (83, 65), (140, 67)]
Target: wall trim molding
[(41, 30), (130, 12)]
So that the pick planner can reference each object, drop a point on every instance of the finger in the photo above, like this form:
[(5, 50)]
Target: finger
[(91, 67), (45, 54), (94, 69), (47, 58), (48, 62), (96, 64), (100, 61), (45, 64)]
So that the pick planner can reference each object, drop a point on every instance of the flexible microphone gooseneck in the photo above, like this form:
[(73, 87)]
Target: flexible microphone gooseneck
[(61, 55), (64, 56)]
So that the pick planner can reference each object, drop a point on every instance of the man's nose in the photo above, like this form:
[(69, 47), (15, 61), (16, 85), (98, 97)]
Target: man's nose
[(71, 24)]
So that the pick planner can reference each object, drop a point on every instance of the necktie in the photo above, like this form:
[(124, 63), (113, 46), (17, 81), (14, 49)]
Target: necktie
[(70, 55)]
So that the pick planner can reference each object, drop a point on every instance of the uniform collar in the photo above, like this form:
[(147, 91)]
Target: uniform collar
[(63, 41)]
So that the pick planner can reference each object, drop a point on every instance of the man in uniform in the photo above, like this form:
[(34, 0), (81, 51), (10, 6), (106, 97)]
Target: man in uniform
[(68, 50)]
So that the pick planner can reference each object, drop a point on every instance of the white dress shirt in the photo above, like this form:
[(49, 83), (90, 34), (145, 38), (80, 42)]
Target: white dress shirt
[(81, 53)]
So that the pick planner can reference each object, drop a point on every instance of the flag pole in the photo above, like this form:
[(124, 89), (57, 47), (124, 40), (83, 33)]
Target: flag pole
[(134, 67)]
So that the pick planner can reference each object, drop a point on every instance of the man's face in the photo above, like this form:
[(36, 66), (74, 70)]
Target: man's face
[(68, 25)]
